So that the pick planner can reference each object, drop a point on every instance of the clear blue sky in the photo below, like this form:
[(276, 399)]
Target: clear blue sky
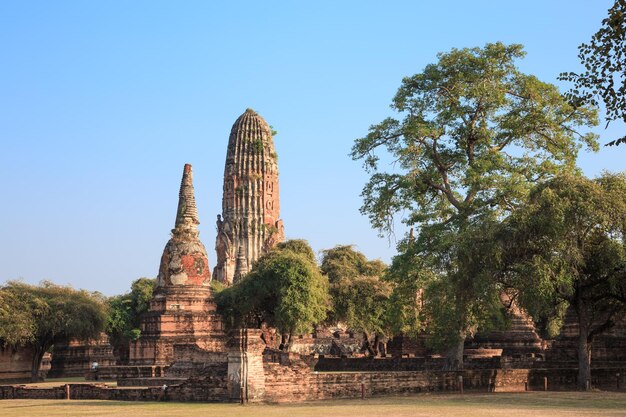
[(102, 103)]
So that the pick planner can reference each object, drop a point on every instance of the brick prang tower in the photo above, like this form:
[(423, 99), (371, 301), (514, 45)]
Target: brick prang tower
[(250, 223)]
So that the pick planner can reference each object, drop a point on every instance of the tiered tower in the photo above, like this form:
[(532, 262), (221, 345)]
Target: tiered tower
[(182, 311), (249, 225)]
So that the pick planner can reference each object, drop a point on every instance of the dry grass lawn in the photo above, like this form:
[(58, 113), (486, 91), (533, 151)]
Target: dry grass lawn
[(534, 404), (55, 382)]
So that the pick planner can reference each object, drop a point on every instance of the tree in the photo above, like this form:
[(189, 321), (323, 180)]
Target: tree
[(359, 296), (124, 318), (285, 290), (426, 301), (299, 246), (604, 77), (344, 263), (566, 248), (40, 316), (476, 133)]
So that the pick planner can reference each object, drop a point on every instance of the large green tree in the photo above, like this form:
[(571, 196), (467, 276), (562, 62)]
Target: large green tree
[(123, 322), (359, 296), (566, 248), (40, 316), (604, 77), (284, 290), (474, 134)]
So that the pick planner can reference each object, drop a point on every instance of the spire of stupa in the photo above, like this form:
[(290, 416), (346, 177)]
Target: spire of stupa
[(187, 213)]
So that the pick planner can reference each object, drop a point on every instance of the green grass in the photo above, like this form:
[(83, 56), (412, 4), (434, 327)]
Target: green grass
[(534, 404)]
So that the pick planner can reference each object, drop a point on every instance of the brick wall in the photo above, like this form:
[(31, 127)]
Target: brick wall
[(208, 389), (297, 382), (15, 364)]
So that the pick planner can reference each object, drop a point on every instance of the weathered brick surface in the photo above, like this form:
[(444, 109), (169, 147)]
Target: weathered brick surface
[(298, 382), (609, 346), (8, 392), (403, 345), (207, 389), (321, 342), (74, 358), (246, 376), (15, 364), (250, 222), (191, 361), (369, 364)]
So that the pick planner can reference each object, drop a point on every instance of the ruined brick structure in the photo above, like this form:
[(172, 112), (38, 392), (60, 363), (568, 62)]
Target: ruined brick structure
[(518, 341), (16, 363), (607, 347), (183, 343), (250, 222), (325, 340), (255, 375), (182, 311), (75, 357)]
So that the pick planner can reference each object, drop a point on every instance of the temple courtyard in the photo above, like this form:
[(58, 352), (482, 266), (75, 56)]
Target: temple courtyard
[(536, 404)]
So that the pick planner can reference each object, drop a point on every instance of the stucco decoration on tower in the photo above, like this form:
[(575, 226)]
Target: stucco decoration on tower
[(184, 260), (250, 224)]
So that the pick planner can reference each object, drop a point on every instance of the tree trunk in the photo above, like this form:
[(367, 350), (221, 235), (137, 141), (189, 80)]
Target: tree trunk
[(375, 344), (584, 357), (454, 355), (367, 345), (285, 344), (38, 352)]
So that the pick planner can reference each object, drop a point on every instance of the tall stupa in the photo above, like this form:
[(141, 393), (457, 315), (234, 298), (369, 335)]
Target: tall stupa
[(182, 311), (250, 222)]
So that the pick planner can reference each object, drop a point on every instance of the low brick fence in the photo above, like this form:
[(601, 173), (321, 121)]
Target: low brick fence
[(297, 381), (293, 383), (207, 389), (80, 392)]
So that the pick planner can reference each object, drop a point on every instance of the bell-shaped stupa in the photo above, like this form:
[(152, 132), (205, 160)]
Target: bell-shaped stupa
[(184, 260)]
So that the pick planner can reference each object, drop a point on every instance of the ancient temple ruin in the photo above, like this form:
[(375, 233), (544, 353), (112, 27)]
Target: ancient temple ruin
[(183, 344), (182, 311), (250, 222)]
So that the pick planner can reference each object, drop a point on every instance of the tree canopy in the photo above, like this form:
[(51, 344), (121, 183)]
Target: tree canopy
[(566, 248), (475, 134), (284, 289), (123, 322), (359, 296), (40, 316), (344, 263), (299, 246), (604, 59)]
